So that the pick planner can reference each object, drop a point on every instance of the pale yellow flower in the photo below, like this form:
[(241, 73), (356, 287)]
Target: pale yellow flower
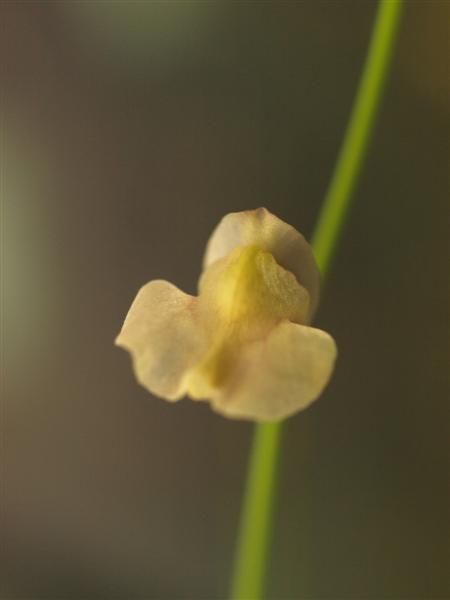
[(244, 343)]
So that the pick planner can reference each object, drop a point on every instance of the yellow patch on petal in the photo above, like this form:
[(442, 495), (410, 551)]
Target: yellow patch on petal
[(266, 231), (249, 286), (242, 297)]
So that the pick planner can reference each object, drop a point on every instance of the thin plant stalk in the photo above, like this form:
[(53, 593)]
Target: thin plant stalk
[(254, 534)]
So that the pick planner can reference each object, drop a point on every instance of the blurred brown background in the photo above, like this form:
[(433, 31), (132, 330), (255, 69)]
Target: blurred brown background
[(128, 129)]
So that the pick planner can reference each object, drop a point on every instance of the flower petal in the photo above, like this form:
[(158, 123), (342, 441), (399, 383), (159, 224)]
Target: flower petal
[(163, 337), (280, 375), (261, 228), (242, 298), (248, 288)]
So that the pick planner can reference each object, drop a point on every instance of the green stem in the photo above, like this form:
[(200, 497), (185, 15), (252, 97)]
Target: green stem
[(359, 133), (257, 509)]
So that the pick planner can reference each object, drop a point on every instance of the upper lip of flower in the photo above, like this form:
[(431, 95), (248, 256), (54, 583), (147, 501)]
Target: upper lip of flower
[(261, 228)]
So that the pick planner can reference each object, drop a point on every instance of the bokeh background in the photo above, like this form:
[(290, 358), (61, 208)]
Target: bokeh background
[(128, 129)]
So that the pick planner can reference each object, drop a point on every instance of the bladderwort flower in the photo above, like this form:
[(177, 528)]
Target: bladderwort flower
[(244, 343)]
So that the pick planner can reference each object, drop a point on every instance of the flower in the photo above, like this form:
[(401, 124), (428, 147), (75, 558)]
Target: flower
[(244, 343)]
